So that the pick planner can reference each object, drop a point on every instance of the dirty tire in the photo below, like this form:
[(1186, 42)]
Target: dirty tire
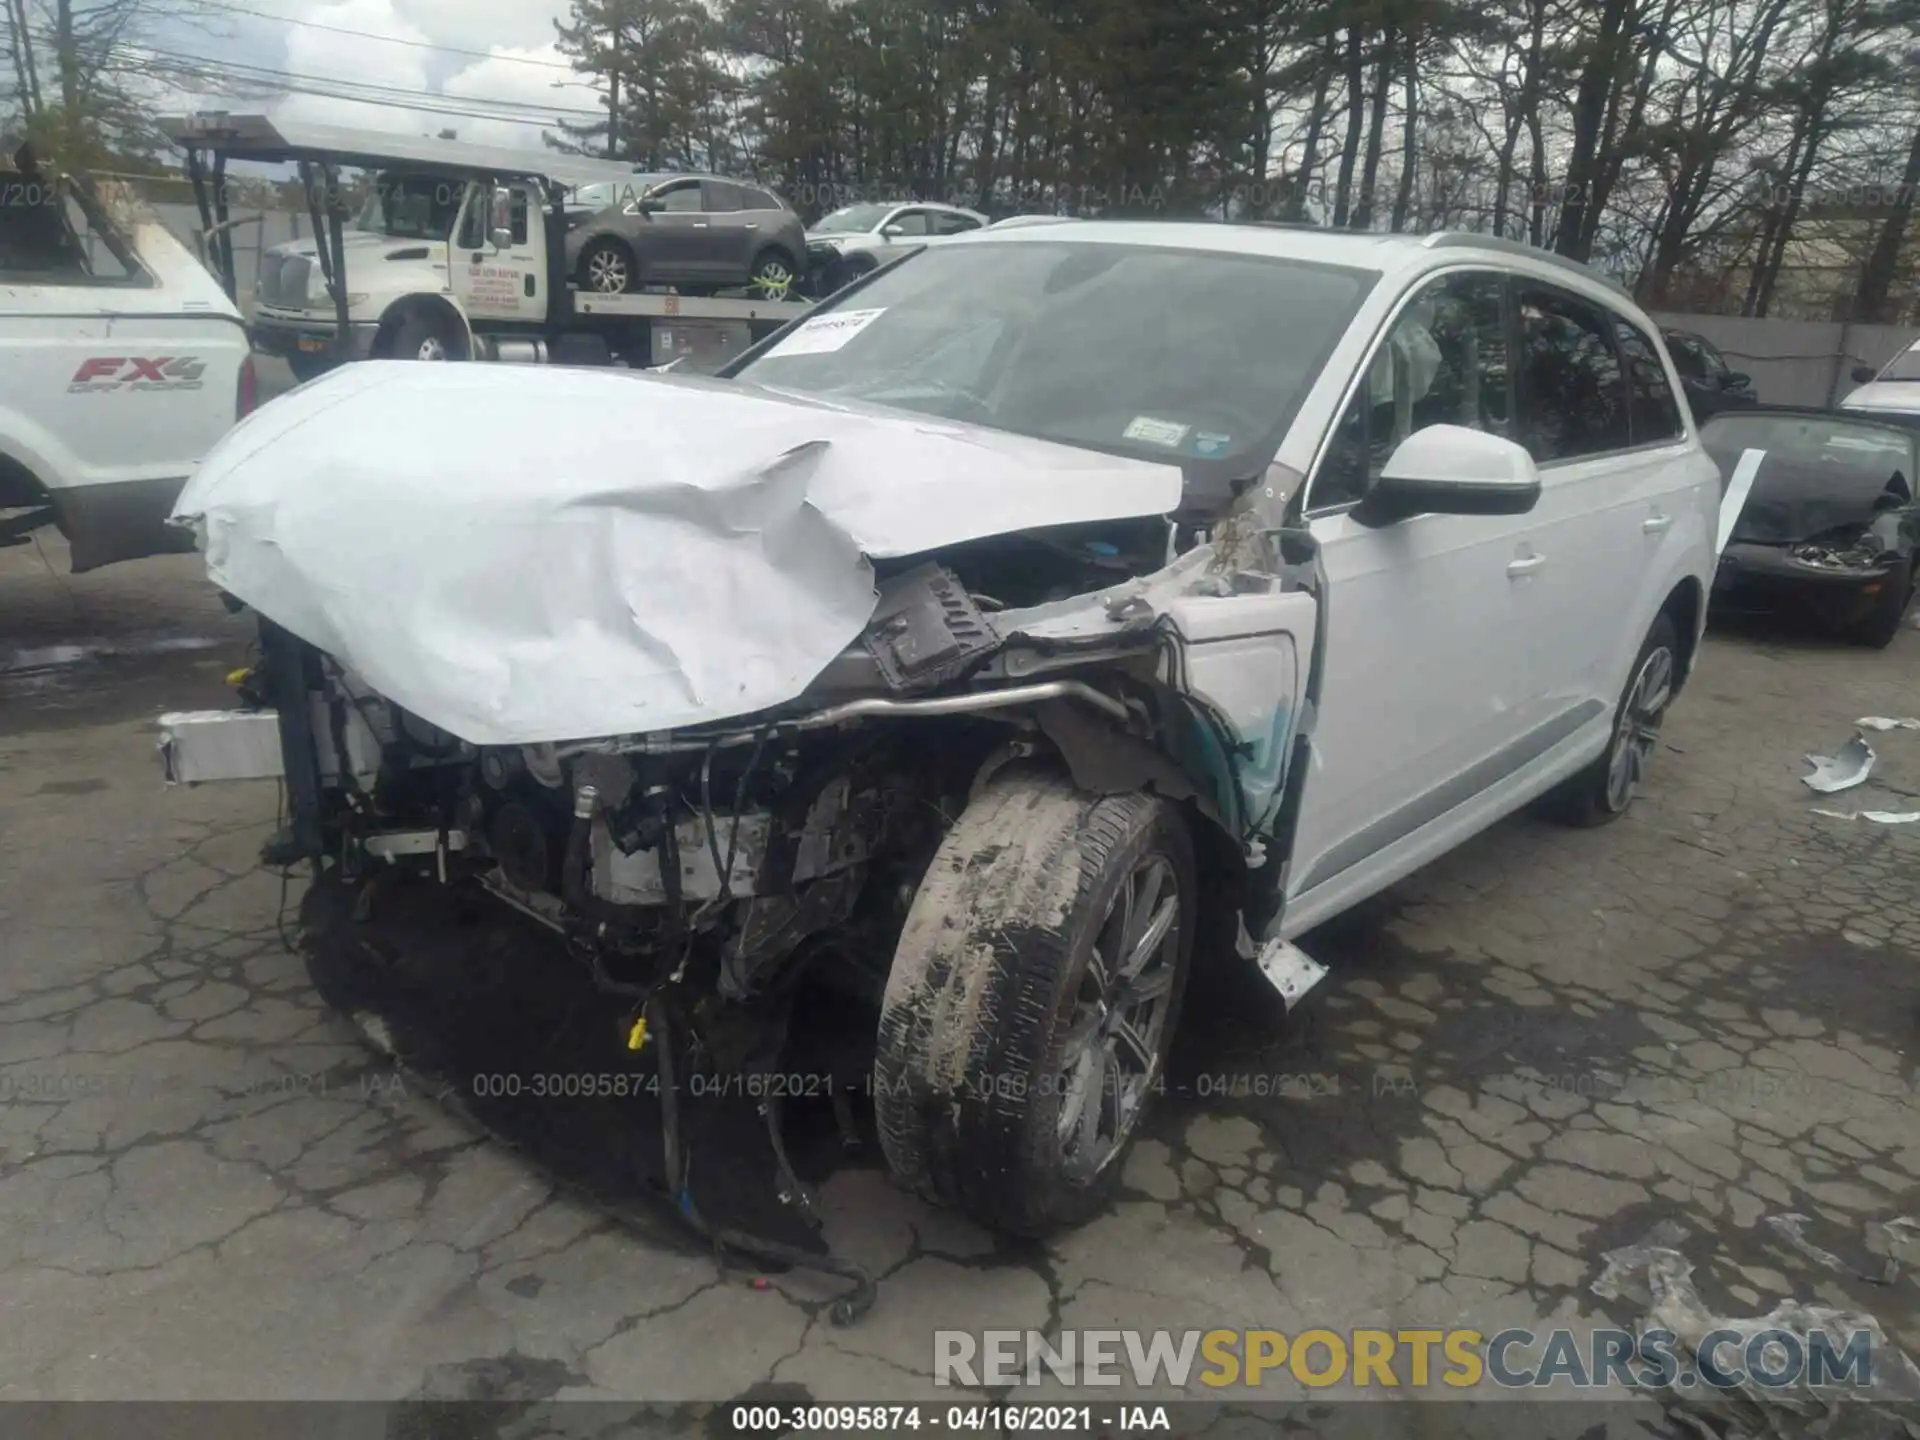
[(1883, 621), (989, 990), (1592, 797)]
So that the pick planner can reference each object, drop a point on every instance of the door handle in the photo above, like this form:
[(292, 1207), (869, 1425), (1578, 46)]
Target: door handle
[(1525, 566), (1656, 525)]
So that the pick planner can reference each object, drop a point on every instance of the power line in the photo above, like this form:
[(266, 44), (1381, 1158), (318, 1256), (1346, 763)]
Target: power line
[(200, 68), (384, 39)]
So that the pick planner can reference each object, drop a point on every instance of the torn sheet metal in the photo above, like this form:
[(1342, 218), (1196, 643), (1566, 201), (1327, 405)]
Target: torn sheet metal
[(1878, 817), (1883, 723), (518, 554), (1833, 773)]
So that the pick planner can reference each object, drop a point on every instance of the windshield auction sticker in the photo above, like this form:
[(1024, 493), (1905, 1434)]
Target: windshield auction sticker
[(1156, 432), (821, 333)]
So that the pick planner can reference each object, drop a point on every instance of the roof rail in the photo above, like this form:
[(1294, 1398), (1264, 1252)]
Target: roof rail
[(1447, 239)]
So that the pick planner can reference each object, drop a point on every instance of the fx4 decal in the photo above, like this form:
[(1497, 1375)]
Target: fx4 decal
[(107, 374)]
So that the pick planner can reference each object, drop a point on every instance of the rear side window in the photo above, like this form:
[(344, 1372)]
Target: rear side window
[(756, 199), (1573, 387), (1654, 411), (1444, 362), (948, 224), (721, 198)]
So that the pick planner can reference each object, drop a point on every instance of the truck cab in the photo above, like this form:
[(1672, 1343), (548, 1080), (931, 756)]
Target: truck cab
[(422, 264)]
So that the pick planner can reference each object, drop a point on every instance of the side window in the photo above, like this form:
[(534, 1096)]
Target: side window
[(720, 197), (947, 223), (1654, 412), (46, 232), (1573, 390), (473, 221), (757, 199), (1444, 362), (510, 213), (682, 199), (909, 222)]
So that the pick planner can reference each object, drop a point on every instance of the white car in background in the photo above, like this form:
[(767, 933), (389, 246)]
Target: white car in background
[(856, 239), (1896, 387)]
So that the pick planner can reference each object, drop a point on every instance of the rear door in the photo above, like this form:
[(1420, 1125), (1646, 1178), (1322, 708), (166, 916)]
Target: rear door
[(676, 241), (729, 238), (1424, 682), (1605, 429)]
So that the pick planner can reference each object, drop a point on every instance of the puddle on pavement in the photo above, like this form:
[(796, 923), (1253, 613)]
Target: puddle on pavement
[(96, 681)]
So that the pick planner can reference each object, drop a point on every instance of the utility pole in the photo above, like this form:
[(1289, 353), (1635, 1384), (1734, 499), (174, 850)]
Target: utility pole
[(613, 90)]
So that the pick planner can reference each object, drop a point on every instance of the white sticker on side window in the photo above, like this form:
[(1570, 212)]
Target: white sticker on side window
[(821, 333), (1155, 432)]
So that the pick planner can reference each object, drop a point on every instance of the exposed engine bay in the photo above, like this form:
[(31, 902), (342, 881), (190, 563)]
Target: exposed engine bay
[(704, 875)]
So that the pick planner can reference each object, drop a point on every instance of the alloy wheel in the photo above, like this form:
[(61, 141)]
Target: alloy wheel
[(1638, 727), (1111, 1057), (773, 279), (607, 271)]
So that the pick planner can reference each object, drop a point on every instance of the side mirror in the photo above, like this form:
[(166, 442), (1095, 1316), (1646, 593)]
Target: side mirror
[(1736, 380), (502, 239), (1451, 470), (890, 232), (649, 205), (1864, 374)]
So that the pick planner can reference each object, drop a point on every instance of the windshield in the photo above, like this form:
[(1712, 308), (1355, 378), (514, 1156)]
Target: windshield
[(852, 219), (1196, 356), (411, 207), (1904, 366), (1808, 440)]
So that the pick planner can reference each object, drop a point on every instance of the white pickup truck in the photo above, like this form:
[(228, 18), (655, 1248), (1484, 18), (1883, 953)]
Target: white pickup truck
[(121, 363)]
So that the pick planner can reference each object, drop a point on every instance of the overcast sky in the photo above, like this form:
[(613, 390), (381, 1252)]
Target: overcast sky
[(508, 32)]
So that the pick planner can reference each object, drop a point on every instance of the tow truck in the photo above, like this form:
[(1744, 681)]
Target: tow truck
[(494, 288)]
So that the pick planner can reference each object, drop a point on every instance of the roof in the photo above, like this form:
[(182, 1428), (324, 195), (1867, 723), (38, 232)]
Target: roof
[(270, 140), (1369, 250)]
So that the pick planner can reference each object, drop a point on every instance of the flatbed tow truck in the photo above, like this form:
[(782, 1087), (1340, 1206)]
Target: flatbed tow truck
[(494, 287)]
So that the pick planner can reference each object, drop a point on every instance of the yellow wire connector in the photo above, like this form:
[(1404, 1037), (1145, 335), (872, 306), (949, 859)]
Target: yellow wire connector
[(240, 676), (637, 1037)]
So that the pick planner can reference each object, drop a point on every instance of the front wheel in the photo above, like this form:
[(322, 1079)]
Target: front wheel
[(1032, 1000), (423, 337), (606, 267), (1602, 792)]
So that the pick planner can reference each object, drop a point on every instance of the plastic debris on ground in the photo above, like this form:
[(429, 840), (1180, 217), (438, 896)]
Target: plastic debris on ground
[(1884, 723), (1832, 773), (1878, 817), (1657, 1277)]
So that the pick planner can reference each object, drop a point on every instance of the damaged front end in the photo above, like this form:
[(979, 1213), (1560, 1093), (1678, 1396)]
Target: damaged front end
[(705, 875), (983, 735)]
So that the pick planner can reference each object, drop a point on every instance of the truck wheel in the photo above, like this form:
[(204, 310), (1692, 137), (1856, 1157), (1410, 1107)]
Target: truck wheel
[(1890, 608), (1032, 1000), (1602, 792), (772, 277), (423, 337), (309, 367), (606, 267)]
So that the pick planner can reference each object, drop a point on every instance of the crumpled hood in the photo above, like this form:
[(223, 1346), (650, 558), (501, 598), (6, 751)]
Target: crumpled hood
[(1797, 500), (520, 554)]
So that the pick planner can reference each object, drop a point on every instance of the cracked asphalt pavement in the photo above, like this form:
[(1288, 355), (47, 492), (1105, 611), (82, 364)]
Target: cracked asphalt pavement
[(1529, 1056)]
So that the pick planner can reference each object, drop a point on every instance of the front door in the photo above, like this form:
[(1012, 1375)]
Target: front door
[(1424, 682), (501, 276)]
